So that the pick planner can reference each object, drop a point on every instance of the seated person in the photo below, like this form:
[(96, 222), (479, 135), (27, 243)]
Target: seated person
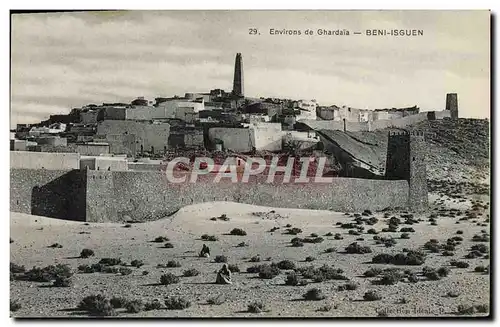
[(205, 251), (224, 275)]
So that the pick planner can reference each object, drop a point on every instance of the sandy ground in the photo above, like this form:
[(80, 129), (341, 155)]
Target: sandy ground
[(32, 235)]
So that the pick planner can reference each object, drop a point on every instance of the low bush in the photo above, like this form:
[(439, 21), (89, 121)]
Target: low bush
[(62, 282), (137, 263), (314, 294), (293, 231), (330, 250), (168, 245), (372, 272), (176, 303), (256, 307), (87, 253), (14, 268), (134, 306), (216, 300), (358, 249), (97, 305), (56, 246), (168, 279), (255, 258), (286, 265), (110, 261), (14, 305), (124, 271), (211, 238), (390, 278), (372, 296), (481, 269), (161, 239), (309, 259), (173, 264), (338, 237), (238, 232), (190, 272), (153, 305), (220, 259), (233, 268), (118, 302), (268, 271)]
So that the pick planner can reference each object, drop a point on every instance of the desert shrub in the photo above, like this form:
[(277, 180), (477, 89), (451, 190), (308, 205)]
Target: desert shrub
[(465, 310), (413, 278), (313, 240), (14, 305), (268, 271), (273, 229), (341, 288), (432, 247), (118, 302), (297, 242), (394, 221), (351, 286), (255, 258), (220, 258), (288, 225), (97, 305), (216, 300), (173, 264), (325, 308), (431, 274), (46, 274), (372, 231), (14, 268), (460, 232), (372, 296), (481, 269), (190, 272), (452, 294), (405, 236), (242, 244), (134, 306), (55, 246), (110, 261), (176, 303), (238, 232), (473, 255), (137, 263), (448, 247), (168, 279), (383, 258), (161, 239), (124, 271), (87, 253), (293, 231), (407, 230), (481, 238), (254, 269), (390, 278), (168, 245), (330, 250), (153, 305), (127, 225), (356, 248), (62, 282), (309, 259), (482, 308), (338, 237), (329, 234), (372, 272), (256, 307), (353, 232), (448, 253), (286, 265), (314, 294), (211, 238), (462, 264), (292, 279), (348, 226), (314, 235), (233, 268), (443, 271), (483, 248)]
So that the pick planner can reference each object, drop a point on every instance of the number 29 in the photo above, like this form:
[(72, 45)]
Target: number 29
[(252, 31)]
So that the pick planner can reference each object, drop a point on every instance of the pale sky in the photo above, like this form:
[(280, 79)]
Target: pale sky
[(63, 61)]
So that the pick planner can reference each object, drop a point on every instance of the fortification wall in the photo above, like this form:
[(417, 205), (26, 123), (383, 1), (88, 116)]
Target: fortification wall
[(142, 196), (51, 193), (44, 160)]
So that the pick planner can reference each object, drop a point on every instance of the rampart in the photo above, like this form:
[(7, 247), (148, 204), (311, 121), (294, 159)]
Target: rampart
[(44, 160), (103, 196)]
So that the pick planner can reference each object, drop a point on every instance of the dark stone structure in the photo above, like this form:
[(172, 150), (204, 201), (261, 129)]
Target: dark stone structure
[(452, 105), (406, 160), (238, 89)]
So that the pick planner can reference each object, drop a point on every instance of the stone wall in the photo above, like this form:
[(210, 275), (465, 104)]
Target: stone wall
[(235, 139), (44, 160), (51, 193)]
